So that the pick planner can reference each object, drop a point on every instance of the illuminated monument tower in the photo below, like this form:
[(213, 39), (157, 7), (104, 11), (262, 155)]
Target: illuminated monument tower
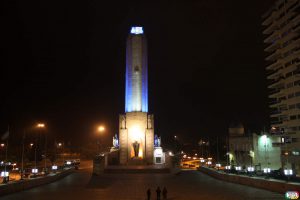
[(136, 125)]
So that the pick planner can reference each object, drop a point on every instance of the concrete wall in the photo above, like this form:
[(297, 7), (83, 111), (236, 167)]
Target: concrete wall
[(28, 184), (272, 185)]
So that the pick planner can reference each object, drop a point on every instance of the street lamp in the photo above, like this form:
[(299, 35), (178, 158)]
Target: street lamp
[(39, 126), (101, 129)]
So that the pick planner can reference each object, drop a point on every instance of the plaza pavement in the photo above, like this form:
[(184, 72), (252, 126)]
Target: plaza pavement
[(189, 185)]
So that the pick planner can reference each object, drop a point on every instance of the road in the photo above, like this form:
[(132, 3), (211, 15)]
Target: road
[(188, 185)]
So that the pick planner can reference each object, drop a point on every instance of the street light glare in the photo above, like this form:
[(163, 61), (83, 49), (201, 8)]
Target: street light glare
[(40, 125), (101, 128)]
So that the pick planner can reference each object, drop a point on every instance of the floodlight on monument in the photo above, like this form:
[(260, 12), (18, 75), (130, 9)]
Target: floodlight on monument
[(136, 30), (136, 133)]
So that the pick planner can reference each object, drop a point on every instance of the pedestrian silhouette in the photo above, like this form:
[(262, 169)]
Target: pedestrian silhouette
[(165, 193), (158, 191), (148, 194)]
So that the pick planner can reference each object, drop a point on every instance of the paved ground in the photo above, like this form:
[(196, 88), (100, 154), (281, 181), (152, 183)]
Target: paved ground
[(188, 185)]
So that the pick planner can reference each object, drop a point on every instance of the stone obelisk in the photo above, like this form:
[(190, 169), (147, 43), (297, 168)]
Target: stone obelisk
[(136, 125)]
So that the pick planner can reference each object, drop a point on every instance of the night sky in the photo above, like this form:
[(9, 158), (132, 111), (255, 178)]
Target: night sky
[(64, 64)]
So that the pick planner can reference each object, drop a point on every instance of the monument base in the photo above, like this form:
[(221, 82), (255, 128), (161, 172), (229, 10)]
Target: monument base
[(136, 161), (136, 169)]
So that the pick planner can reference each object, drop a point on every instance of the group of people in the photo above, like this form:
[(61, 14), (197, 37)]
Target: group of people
[(158, 192)]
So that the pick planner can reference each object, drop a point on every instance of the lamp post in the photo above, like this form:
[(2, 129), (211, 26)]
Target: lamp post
[(23, 148), (101, 129), (39, 126), (42, 126), (60, 146)]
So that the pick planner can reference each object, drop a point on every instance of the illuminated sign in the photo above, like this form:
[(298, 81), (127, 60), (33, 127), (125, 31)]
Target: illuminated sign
[(137, 30)]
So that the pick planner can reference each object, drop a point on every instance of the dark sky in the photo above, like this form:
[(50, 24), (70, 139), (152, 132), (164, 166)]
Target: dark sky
[(64, 64)]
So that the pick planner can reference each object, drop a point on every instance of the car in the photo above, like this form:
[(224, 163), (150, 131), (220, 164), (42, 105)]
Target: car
[(72, 163)]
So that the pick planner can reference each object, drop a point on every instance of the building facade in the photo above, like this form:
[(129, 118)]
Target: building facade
[(136, 126), (261, 151), (282, 30)]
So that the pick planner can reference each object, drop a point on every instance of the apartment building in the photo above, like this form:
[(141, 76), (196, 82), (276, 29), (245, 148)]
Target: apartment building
[(282, 38)]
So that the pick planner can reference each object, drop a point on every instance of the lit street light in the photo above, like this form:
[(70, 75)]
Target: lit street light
[(101, 129), (40, 125)]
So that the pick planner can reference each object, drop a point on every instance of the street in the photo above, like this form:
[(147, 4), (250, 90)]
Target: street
[(187, 185)]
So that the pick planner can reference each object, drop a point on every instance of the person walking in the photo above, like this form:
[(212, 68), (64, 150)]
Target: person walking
[(148, 194), (164, 193), (158, 191)]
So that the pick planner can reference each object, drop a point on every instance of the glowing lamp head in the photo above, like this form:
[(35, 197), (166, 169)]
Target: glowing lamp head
[(101, 128), (40, 125), (264, 139), (136, 30)]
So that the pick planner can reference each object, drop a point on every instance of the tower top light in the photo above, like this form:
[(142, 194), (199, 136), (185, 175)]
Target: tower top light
[(136, 30)]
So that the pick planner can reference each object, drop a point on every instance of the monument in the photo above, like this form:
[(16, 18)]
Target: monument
[(136, 126)]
